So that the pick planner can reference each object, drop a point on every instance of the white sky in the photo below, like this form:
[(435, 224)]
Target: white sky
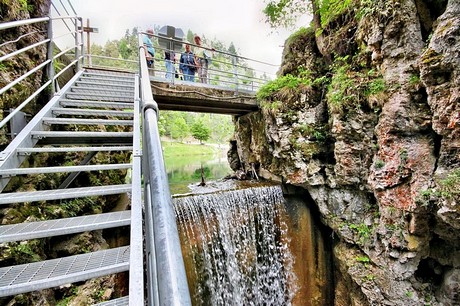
[(237, 21)]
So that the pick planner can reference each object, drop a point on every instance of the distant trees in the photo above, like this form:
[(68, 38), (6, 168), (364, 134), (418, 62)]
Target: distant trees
[(200, 131), (203, 127)]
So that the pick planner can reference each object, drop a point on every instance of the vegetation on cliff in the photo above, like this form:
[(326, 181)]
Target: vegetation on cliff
[(378, 80)]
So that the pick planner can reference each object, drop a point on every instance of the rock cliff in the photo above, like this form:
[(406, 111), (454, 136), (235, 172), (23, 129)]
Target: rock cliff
[(365, 116)]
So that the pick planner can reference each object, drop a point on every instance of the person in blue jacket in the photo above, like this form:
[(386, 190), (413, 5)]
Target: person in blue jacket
[(148, 46), (187, 65)]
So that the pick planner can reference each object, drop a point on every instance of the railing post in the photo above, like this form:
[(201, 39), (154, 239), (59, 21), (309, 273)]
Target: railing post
[(82, 47), (77, 49), (235, 73), (50, 56)]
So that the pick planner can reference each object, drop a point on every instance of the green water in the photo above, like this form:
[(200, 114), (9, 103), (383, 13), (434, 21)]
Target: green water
[(185, 170)]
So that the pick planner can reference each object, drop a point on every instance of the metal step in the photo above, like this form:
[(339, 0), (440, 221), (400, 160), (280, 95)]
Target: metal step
[(107, 79), (92, 112), (55, 272), (48, 120), (68, 169), (96, 104), (72, 149), (60, 194), (97, 84), (78, 138), (98, 96), (109, 75), (97, 90), (50, 228), (123, 301)]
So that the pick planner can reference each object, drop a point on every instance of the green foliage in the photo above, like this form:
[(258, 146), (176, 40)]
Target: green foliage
[(341, 90), (450, 186), (221, 126), (366, 8), (287, 81), (284, 13), (363, 231), (379, 164), (349, 88), (200, 131), (363, 259), (179, 129), (302, 32), (329, 10), (414, 79), (375, 86)]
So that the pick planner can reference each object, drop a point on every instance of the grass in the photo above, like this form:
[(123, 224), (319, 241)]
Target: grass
[(187, 149)]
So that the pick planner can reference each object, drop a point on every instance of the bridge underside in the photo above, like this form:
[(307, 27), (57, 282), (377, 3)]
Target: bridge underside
[(202, 98)]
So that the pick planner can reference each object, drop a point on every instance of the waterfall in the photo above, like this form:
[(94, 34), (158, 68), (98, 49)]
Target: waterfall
[(236, 247)]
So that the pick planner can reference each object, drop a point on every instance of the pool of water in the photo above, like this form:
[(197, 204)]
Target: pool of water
[(184, 172)]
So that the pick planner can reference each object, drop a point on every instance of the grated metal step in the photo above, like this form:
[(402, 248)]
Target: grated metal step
[(48, 120), (107, 79), (99, 96), (96, 104), (92, 112), (61, 137), (97, 84), (99, 90), (55, 272), (72, 149), (106, 74), (49, 228), (42, 170), (123, 301), (60, 194)]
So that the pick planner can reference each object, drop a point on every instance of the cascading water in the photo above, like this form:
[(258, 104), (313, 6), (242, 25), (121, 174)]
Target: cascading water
[(236, 247)]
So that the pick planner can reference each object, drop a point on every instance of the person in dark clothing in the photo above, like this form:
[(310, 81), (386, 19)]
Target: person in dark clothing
[(187, 65)]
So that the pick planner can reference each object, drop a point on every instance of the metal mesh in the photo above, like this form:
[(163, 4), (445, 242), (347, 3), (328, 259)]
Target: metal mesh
[(117, 302), (91, 112), (96, 104), (59, 194), (32, 230), (66, 269)]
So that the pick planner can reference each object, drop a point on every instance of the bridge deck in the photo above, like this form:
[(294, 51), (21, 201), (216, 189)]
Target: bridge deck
[(197, 97)]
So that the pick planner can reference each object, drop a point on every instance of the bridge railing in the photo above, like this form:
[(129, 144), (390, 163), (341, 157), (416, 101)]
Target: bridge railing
[(51, 64), (225, 70)]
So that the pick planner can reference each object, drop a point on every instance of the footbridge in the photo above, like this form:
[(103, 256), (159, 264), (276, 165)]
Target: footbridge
[(99, 126)]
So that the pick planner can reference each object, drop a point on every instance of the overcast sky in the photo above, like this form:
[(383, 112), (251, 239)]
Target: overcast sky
[(237, 21)]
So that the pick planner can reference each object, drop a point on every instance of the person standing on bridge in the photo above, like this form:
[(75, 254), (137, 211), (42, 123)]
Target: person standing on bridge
[(202, 59), (148, 46), (187, 65), (170, 60)]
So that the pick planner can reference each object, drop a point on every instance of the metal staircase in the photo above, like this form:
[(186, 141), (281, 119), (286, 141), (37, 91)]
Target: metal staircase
[(90, 104)]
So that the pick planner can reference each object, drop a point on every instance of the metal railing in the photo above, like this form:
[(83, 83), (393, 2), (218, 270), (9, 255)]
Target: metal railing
[(48, 63), (167, 281), (225, 70)]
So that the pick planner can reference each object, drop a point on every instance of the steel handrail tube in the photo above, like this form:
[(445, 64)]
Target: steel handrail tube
[(172, 279), (7, 56), (164, 246), (17, 23)]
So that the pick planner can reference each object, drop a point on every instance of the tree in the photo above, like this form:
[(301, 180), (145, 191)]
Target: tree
[(200, 131), (284, 13), (179, 129), (232, 49)]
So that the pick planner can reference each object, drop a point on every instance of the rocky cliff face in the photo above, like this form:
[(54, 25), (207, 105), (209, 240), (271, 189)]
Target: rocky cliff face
[(365, 116), (15, 39)]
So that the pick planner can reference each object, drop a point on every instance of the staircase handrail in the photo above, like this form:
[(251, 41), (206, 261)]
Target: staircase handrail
[(167, 281), (48, 63)]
